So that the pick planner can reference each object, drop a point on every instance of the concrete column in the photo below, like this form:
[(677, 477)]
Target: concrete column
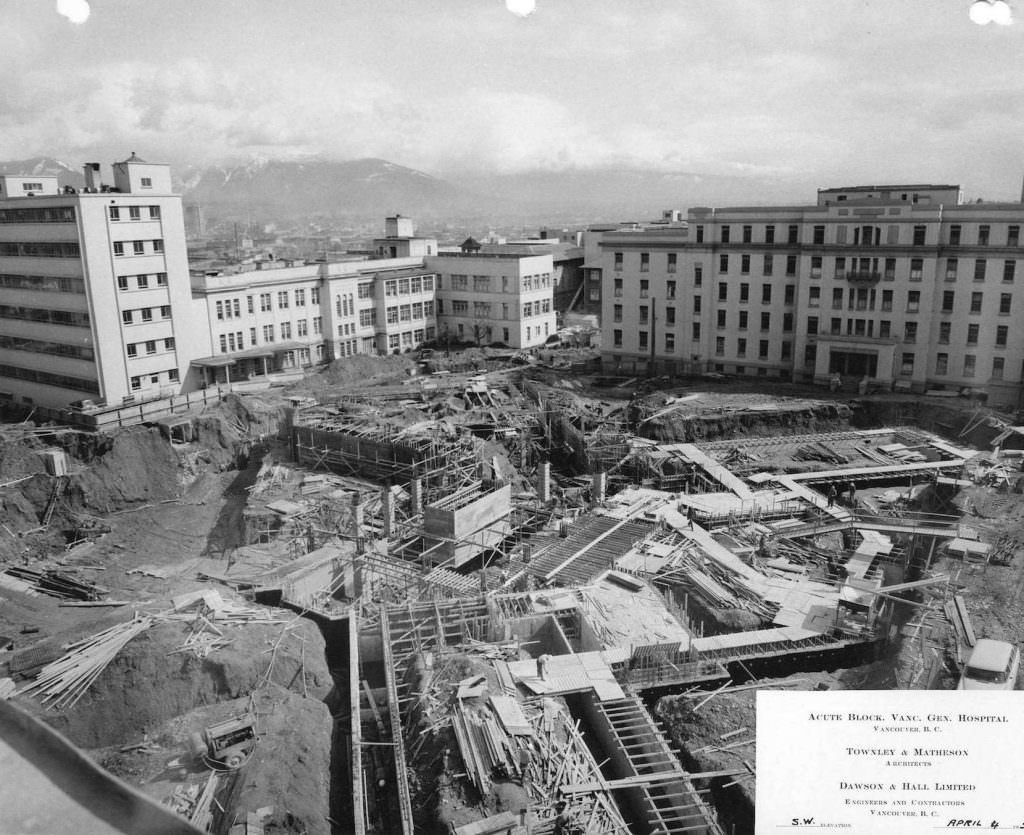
[(388, 512), (416, 495), (544, 482), (357, 515), (598, 487)]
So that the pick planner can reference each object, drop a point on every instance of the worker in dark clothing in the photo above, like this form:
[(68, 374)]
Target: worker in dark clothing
[(851, 489), (831, 494)]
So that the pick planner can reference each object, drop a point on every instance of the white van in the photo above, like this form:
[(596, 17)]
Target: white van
[(992, 665)]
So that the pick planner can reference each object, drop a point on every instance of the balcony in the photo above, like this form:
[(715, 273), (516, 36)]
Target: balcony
[(864, 276)]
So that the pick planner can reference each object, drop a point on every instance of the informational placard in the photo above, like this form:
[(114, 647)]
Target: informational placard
[(890, 761)]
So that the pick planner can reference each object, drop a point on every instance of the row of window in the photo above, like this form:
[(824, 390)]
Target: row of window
[(864, 235), (117, 213), (43, 283), (144, 314), (866, 328), (408, 339), (405, 313), (41, 346), (40, 249), (170, 375), (73, 318), (142, 281), (54, 214), (156, 247), (489, 283), (235, 341), (47, 378), (149, 347), (400, 286), (232, 308), (970, 365)]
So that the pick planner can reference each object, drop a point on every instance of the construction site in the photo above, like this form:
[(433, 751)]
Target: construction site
[(495, 598)]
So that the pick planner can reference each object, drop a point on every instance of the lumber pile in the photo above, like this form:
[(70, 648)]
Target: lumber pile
[(487, 749), (55, 583), (63, 682)]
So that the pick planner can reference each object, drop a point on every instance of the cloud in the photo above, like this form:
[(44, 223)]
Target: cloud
[(77, 11)]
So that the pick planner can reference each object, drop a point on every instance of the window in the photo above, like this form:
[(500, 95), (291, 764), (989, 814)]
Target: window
[(645, 288), (951, 268), (916, 268), (142, 281), (1005, 300), (972, 334), (617, 338), (670, 315), (969, 363), (133, 350), (840, 234), (118, 249), (748, 232), (135, 213), (147, 314), (837, 298), (146, 182), (787, 350), (223, 344), (698, 275), (884, 329), (954, 235), (794, 234), (913, 301), (268, 333), (122, 282), (286, 330), (700, 234), (789, 294), (816, 261), (762, 349), (910, 332), (169, 342), (161, 279), (154, 213), (983, 232), (138, 248), (265, 302), (976, 299), (723, 263), (696, 304), (840, 268), (282, 299), (150, 346), (766, 321), (618, 287), (643, 312), (741, 347), (318, 324), (165, 312), (670, 266), (696, 332), (907, 364), (670, 343), (812, 325), (886, 300), (617, 313), (670, 289), (744, 292), (814, 297), (787, 322), (790, 265), (1001, 333), (645, 262), (618, 262), (300, 298), (818, 235), (1009, 268), (769, 265), (220, 310), (766, 294), (890, 269), (919, 235), (998, 363), (745, 264), (126, 317), (743, 320), (1013, 235), (725, 234), (948, 297), (941, 364), (302, 328), (769, 234), (136, 383), (723, 291), (719, 346), (721, 318)]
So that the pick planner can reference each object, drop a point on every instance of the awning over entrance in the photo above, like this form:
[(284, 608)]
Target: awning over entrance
[(221, 360)]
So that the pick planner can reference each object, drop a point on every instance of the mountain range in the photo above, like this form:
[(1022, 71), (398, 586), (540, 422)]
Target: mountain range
[(289, 190)]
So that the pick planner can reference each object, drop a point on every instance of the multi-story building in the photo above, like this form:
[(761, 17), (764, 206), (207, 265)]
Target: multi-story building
[(503, 297), (904, 285), (95, 300)]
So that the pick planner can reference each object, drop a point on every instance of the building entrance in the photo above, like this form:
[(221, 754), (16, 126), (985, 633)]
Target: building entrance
[(853, 363)]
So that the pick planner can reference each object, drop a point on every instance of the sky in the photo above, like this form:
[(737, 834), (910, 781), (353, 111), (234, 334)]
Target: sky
[(831, 92)]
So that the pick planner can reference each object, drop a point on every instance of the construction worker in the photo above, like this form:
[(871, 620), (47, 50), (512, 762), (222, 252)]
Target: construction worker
[(542, 666), (831, 494)]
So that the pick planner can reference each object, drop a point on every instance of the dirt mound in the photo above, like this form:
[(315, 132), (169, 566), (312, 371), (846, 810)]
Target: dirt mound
[(358, 370), (148, 683)]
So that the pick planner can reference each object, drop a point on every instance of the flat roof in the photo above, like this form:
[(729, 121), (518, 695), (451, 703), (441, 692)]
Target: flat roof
[(896, 187)]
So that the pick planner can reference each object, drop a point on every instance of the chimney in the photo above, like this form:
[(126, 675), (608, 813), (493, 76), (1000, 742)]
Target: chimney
[(92, 176)]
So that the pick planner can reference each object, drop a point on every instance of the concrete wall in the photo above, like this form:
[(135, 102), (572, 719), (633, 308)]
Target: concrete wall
[(479, 525)]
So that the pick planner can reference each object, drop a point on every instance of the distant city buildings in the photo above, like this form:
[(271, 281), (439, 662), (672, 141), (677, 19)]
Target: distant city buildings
[(904, 286), (97, 302)]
